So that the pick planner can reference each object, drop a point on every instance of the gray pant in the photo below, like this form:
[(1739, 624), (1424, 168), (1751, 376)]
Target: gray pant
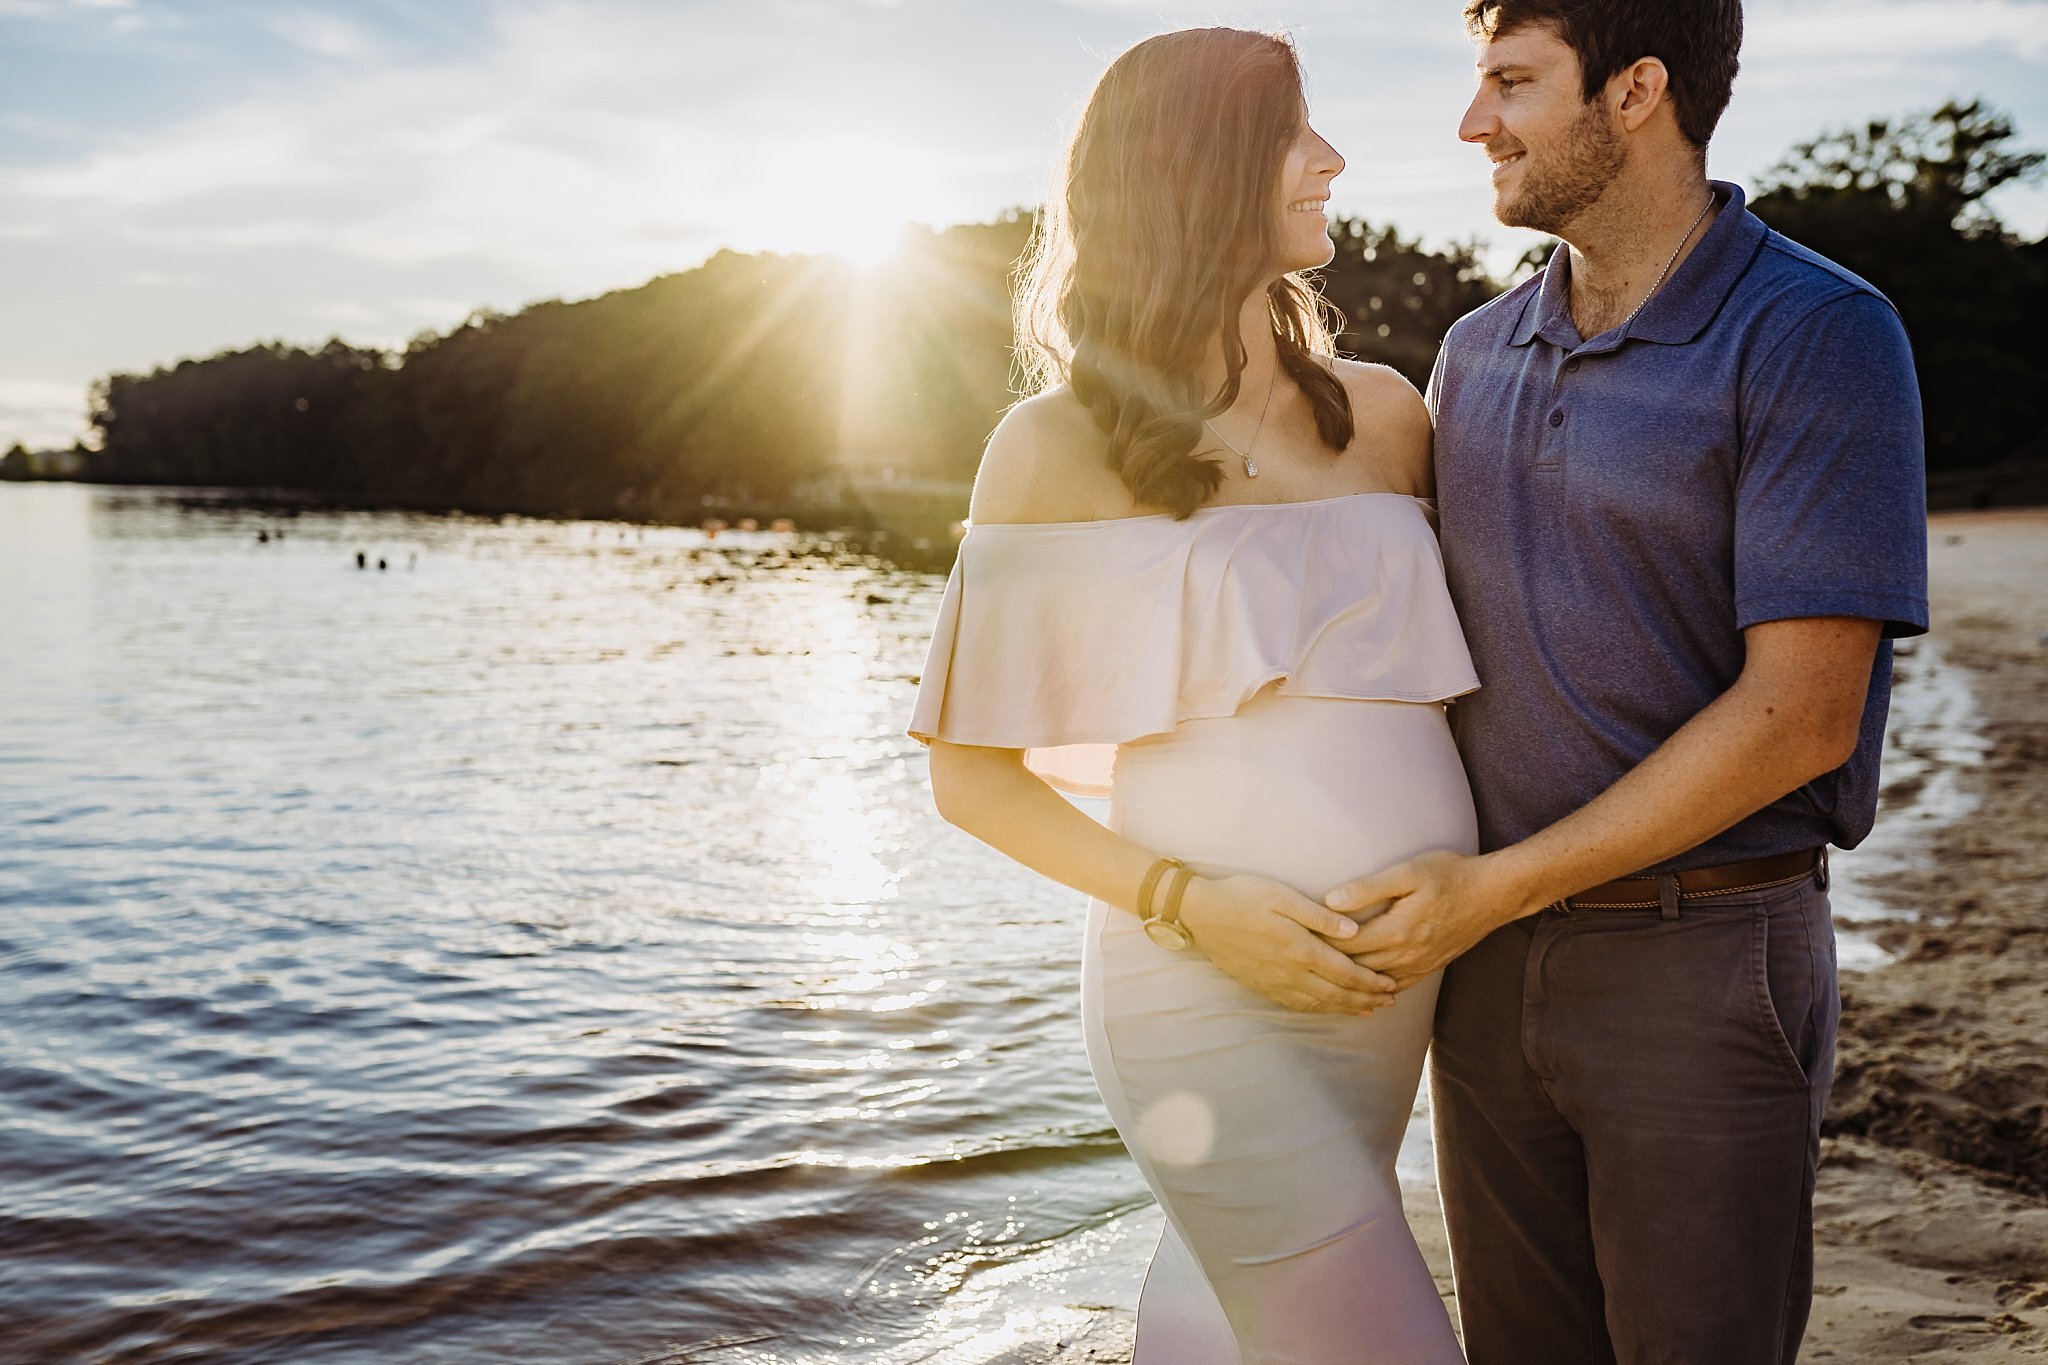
[(1627, 1127)]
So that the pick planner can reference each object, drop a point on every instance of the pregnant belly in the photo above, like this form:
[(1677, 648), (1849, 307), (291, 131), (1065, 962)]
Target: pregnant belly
[(1311, 791)]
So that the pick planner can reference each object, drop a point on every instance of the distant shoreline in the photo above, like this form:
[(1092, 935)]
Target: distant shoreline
[(2014, 485), (917, 537)]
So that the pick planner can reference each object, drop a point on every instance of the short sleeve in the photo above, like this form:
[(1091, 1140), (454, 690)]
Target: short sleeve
[(1066, 640), (1045, 643), (1433, 392), (1831, 496)]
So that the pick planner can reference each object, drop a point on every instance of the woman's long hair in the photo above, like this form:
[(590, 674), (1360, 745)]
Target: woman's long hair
[(1160, 225)]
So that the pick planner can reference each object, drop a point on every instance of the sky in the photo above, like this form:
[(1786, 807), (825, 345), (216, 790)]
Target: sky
[(179, 177)]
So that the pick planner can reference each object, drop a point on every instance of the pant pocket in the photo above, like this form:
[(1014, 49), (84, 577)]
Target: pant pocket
[(1789, 967)]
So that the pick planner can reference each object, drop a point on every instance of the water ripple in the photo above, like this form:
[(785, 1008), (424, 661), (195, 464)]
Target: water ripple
[(547, 952)]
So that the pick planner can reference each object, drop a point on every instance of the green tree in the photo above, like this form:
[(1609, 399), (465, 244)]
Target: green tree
[(743, 378), (1904, 204), (1397, 298)]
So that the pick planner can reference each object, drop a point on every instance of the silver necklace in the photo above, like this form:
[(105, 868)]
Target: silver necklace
[(1251, 471), (1670, 260)]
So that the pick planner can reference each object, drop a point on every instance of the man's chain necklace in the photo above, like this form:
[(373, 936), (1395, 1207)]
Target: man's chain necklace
[(1670, 261)]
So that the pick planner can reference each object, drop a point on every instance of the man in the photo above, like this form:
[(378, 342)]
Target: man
[(1680, 478)]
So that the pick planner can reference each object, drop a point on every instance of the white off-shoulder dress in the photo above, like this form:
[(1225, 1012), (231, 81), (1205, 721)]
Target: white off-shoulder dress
[(1256, 688)]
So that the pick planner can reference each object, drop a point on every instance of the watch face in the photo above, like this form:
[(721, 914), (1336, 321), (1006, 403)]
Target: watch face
[(1166, 934)]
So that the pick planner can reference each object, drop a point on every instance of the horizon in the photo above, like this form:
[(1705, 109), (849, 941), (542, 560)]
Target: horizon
[(179, 179)]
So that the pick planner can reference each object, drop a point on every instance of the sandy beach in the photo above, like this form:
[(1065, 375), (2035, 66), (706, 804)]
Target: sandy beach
[(1932, 1211), (1933, 1203)]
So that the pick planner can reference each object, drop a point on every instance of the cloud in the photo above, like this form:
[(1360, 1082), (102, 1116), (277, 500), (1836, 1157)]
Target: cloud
[(386, 167), (127, 16), (346, 314), (390, 322), (431, 310), (1896, 33), (325, 35), (237, 147), (579, 145), (232, 236), (41, 412)]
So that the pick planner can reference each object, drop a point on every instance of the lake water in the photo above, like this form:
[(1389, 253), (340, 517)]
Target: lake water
[(539, 949)]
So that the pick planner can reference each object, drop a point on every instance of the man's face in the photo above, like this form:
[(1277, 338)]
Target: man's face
[(1553, 153)]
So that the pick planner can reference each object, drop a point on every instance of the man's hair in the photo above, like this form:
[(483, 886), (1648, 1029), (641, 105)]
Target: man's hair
[(1697, 40)]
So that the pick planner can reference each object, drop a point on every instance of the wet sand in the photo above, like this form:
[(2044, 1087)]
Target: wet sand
[(1933, 1205), (1932, 1213)]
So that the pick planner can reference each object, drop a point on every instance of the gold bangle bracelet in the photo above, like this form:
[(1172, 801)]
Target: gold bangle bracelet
[(1152, 876), (1179, 888), (1165, 928)]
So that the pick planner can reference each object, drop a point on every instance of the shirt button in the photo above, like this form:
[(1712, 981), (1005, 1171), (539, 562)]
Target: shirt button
[(1557, 418), (1570, 365)]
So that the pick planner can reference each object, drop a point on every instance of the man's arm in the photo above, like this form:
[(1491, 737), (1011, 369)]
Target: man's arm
[(1791, 716), (1829, 551)]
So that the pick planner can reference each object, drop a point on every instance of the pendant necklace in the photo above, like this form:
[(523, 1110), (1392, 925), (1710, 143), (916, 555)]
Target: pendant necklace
[(1251, 470)]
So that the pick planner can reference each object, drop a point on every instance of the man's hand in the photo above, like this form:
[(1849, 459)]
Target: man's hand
[(1277, 942), (1436, 905)]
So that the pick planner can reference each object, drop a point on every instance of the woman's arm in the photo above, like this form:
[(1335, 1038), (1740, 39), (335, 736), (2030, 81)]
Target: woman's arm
[(1267, 935)]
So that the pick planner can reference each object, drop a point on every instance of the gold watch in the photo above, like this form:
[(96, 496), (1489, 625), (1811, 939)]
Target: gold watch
[(1165, 928)]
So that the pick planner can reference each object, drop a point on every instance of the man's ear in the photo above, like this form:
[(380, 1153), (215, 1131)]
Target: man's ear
[(1638, 91)]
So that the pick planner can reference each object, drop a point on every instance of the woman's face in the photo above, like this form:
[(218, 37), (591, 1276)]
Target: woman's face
[(1305, 178)]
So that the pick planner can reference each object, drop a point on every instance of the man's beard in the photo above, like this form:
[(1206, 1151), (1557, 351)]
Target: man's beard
[(1572, 179)]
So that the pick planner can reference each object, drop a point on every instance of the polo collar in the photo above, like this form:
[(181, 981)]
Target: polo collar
[(1546, 312), (1680, 309)]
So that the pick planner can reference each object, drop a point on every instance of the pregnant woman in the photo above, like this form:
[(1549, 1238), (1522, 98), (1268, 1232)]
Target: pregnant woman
[(1199, 579)]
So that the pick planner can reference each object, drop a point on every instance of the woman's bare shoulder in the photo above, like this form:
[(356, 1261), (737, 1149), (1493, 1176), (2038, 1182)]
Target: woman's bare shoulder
[(1391, 424), (1045, 461)]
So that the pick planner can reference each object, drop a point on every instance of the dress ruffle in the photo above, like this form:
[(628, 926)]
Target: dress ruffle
[(1066, 639)]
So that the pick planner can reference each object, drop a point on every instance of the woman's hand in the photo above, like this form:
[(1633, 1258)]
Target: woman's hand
[(1279, 943)]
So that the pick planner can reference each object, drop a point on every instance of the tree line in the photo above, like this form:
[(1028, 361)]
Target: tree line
[(751, 377)]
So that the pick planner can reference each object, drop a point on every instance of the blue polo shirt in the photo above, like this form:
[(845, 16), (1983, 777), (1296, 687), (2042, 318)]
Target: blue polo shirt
[(1616, 511)]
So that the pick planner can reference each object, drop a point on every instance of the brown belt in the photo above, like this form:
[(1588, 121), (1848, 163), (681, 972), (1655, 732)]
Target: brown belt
[(1648, 893)]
